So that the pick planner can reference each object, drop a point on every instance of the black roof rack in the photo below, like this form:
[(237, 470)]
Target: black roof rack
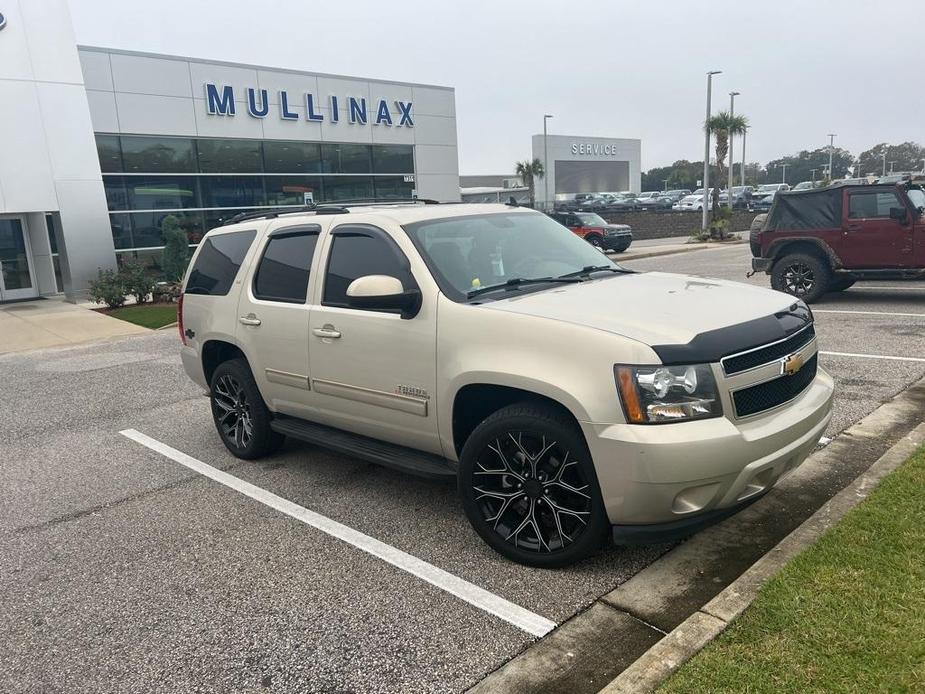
[(337, 207)]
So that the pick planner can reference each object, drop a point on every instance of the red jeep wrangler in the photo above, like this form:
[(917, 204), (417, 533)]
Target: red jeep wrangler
[(824, 240), (593, 229)]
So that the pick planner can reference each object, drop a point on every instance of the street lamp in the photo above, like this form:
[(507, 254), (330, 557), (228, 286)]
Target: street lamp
[(783, 176), (891, 166), (546, 117), (706, 153), (665, 181), (831, 150), (744, 133), (814, 174), (883, 173), (732, 103)]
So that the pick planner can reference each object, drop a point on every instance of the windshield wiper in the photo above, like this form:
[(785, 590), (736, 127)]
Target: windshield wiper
[(588, 269), (515, 282)]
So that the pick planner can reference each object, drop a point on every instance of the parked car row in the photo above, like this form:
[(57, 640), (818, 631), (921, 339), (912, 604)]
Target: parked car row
[(623, 201)]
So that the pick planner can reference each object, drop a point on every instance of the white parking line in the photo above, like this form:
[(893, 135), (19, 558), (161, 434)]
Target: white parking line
[(872, 356), (530, 622), (869, 313), (897, 288)]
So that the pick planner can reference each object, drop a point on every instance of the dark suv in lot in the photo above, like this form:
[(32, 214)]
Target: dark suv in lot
[(593, 229), (824, 240)]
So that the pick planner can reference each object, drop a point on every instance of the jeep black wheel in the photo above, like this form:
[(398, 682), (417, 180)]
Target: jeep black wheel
[(240, 414), (529, 489), (802, 275)]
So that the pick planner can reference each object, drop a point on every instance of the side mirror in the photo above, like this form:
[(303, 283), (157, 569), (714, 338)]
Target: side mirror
[(898, 213), (383, 293)]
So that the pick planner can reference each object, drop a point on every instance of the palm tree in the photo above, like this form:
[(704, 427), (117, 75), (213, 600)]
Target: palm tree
[(721, 126), (528, 172)]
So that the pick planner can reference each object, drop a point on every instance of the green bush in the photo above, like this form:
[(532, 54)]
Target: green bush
[(136, 280), (108, 288), (176, 249)]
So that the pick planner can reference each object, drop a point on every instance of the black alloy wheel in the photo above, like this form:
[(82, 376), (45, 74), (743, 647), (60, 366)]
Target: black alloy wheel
[(529, 487), (240, 414), (801, 275), (595, 240)]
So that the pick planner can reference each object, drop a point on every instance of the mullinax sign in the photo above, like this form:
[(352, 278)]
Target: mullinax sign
[(220, 102)]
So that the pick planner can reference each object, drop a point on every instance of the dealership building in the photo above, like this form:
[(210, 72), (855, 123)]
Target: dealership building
[(578, 164), (101, 146)]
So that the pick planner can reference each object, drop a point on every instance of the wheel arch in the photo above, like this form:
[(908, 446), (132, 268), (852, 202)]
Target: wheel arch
[(779, 248), (215, 352)]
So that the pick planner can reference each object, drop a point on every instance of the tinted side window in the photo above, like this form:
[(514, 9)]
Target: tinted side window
[(357, 252), (283, 271), (871, 205), (218, 263)]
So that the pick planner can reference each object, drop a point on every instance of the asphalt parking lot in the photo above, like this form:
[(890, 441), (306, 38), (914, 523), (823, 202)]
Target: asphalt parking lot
[(126, 570)]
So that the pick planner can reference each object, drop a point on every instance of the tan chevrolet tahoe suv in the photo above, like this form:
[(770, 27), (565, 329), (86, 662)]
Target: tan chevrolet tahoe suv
[(572, 399)]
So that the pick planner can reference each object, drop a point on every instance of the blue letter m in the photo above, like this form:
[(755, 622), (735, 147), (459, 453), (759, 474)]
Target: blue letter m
[(219, 104)]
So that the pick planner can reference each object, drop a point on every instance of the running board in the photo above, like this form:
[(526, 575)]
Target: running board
[(387, 454)]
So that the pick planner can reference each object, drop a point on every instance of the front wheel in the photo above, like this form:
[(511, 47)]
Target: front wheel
[(801, 275), (529, 488), (240, 414), (595, 240)]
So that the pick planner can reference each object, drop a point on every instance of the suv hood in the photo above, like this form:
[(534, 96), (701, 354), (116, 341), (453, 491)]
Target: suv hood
[(655, 308)]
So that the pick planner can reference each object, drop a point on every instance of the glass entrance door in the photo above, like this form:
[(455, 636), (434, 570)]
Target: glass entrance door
[(15, 261)]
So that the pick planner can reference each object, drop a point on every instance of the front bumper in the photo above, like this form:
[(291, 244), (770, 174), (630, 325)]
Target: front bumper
[(663, 474), (617, 241)]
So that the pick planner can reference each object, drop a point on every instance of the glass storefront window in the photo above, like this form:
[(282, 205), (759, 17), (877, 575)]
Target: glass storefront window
[(230, 156), (147, 227), (291, 190), (215, 218), (344, 158), (392, 187), (393, 159), (116, 196), (158, 154), (292, 157), (121, 230), (162, 192), (109, 152), (232, 191), (348, 187)]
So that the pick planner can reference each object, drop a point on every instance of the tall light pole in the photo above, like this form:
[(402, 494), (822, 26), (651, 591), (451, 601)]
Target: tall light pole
[(665, 181), (883, 173), (923, 166), (891, 166), (744, 133), (814, 174), (706, 154), (732, 105), (831, 150), (546, 117), (783, 176)]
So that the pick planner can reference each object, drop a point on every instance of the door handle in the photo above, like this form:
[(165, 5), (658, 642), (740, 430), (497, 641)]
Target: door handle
[(249, 319), (327, 331), (853, 227)]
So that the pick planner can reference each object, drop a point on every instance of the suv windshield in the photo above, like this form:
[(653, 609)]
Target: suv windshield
[(591, 219), (917, 198), (486, 250)]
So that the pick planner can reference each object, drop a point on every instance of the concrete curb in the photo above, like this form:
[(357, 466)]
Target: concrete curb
[(169, 326), (686, 640), (629, 255)]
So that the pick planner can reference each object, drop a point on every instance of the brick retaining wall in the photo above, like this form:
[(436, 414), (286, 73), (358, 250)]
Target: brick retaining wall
[(653, 225)]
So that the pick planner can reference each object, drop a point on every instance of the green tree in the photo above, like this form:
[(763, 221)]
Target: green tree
[(176, 249), (529, 171), (906, 156), (800, 166), (721, 126)]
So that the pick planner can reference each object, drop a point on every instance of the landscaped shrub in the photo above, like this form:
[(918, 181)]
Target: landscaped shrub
[(176, 249), (108, 288), (136, 280)]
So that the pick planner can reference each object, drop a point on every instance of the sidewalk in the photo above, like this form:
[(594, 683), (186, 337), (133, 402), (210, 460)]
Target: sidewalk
[(54, 322), (652, 248)]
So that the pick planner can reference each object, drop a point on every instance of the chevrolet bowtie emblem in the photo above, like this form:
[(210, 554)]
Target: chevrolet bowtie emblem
[(791, 365)]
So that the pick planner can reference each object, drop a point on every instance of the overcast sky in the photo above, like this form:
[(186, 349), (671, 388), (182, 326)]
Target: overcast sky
[(611, 69)]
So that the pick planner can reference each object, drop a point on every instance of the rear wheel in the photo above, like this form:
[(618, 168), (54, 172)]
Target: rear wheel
[(802, 275), (240, 414), (529, 488)]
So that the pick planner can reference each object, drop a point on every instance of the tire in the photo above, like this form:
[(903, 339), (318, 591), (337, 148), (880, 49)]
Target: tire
[(621, 248), (241, 416), (534, 502), (840, 284), (802, 275), (595, 240)]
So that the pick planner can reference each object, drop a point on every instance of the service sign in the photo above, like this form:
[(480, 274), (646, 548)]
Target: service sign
[(220, 101), (594, 149)]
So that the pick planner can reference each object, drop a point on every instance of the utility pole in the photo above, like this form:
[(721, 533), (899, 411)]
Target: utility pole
[(732, 103), (665, 181), (783, 176), (706, 155), (883, 173), (891, 166), (923, 166), (744, 132), (546, 117), (831, 151), (814, 174)]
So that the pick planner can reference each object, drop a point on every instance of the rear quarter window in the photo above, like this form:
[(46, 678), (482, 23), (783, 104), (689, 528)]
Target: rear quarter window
[(218, 262)]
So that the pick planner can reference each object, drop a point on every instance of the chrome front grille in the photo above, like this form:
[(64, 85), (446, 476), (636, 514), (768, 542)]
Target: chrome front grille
[(744, 361), (771, 394)]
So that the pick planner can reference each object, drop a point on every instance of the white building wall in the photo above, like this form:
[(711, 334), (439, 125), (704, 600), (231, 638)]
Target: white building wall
[(142, 94), (49, 160)]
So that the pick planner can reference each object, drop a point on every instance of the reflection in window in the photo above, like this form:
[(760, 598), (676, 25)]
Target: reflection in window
[(292, 190), (158, 154), (359, 254), (393, 159), (121, 225), (283, 271), (292, 157), (392, 187), (348, 187), (232, 191), (147, 227), (344, 158), (109, 152), (161, 192), (116, 196), (230, 156)]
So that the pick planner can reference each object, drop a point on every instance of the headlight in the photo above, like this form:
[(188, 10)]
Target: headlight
[(661, 394)]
